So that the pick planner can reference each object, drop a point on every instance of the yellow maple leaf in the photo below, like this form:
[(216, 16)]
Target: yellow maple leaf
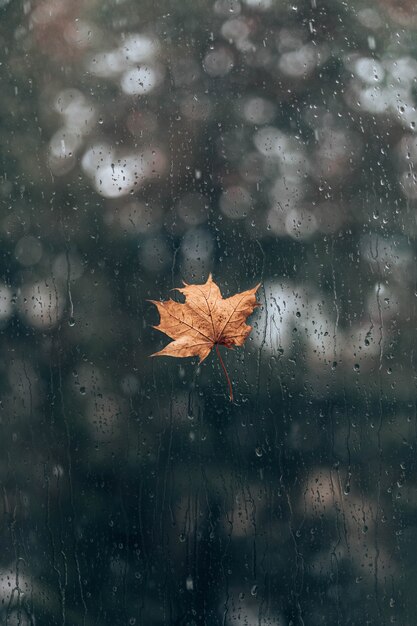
[(204, 321)]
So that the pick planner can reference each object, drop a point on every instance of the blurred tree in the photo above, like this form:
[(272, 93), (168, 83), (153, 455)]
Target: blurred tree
[(148, 142)]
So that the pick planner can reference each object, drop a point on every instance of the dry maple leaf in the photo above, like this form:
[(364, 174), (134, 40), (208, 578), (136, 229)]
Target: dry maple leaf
[(205, 320)]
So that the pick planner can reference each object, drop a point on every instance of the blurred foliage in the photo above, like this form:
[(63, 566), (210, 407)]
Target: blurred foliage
[(146, 143)]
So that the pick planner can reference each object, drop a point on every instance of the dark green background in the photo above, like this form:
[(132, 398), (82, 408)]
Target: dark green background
[(131, 490)]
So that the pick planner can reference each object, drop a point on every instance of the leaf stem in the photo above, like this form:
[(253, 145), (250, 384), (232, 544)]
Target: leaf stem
[(225, 373)]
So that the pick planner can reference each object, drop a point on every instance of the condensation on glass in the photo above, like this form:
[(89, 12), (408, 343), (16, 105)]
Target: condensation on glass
[(146, 144)]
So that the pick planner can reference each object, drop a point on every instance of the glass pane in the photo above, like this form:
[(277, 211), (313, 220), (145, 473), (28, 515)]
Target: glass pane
[(259, 145)]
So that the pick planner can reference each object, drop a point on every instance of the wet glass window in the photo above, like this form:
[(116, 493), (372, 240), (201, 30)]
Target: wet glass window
[(208, 294)]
